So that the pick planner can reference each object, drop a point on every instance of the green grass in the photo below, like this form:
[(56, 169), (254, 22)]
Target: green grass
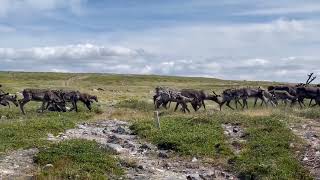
[(192, 136), (77, 159), (266, 153), (136, 105), (19, 131)]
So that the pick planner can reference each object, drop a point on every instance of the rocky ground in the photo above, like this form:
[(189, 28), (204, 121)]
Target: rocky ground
[(142, 160), (18, 164), (236, 136), (309, 130), (145, 161)]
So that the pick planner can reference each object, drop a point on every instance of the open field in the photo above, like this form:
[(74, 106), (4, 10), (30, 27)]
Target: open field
[(267, 149)]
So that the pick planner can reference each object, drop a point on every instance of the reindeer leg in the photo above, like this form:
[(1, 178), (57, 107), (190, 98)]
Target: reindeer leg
[(175, 109), (186, 108), (42, 106), (236, 103), (22, 102), (221, 104), (204, 105), (255, 102), (228, 104), (310, 102)]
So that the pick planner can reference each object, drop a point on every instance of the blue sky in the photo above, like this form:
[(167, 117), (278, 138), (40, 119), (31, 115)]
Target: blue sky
[(232, 39)]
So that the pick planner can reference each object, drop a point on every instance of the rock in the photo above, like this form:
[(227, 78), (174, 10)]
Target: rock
[(47, 167), (145, 146), (194, 159), (193, 177), (208, 176), (3, 117), (80, 126), (291, 145), (116, 147), (317, 154), (120, 130), (105, 130), (305, 159), (235, 129), (163, 155), (50, 135), (114, 139)]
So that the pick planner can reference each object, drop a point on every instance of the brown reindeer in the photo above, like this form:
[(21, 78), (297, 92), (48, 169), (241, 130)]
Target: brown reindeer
[(41, 95), (5, 99), (284, 96), (87, 99)]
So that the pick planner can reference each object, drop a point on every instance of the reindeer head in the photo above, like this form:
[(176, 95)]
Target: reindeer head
[(94, 98)]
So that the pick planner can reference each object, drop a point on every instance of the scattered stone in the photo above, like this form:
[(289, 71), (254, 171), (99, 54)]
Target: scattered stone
[(3, 117), (119, 130), (149, 162), (145, 146), (80, 126), (18, 164), (163, 155)]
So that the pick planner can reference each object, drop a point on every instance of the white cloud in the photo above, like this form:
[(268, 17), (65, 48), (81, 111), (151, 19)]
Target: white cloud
[(115, 59), (80, 52)]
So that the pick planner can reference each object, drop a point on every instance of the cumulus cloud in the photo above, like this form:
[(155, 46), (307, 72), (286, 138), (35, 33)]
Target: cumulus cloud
[(115, 59)]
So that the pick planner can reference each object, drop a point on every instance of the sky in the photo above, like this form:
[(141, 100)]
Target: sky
[(274, 40)]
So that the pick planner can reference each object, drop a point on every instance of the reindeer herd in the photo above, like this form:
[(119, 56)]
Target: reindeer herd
[(56, 100), (272, 96), (52, 100)]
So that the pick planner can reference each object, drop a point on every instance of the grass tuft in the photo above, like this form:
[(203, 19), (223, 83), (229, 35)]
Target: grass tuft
[(77, 159)]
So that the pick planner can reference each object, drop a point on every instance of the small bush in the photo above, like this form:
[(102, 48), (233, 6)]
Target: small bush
[(185, 135), (77, 159)]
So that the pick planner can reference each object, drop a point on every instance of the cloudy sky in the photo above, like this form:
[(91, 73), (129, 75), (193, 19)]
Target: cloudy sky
[(232, 39)]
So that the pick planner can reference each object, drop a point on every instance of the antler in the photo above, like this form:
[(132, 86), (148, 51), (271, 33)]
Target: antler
[(310, 78), (214, 93)]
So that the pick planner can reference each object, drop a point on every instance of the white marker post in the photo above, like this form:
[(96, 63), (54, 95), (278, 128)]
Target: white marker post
[(157, 119)]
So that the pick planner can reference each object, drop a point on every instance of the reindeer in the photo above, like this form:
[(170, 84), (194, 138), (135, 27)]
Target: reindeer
[(308, 93), (87, 99), (198, 95), (41, 95), (270, 98), (284, 95), (164, 96), (256, 93), (69, 96), (227, 96), (292, 89), (6, 98)]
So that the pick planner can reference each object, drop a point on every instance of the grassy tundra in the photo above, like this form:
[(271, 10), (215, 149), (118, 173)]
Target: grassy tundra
[(266, 153)]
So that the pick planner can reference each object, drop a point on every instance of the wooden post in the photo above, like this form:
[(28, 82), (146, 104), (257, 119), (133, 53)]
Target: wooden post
[(157, 119)]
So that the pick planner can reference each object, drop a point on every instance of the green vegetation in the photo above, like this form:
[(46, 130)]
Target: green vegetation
[(194, 136), (266, 154), (77, 159), (19, 131)]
